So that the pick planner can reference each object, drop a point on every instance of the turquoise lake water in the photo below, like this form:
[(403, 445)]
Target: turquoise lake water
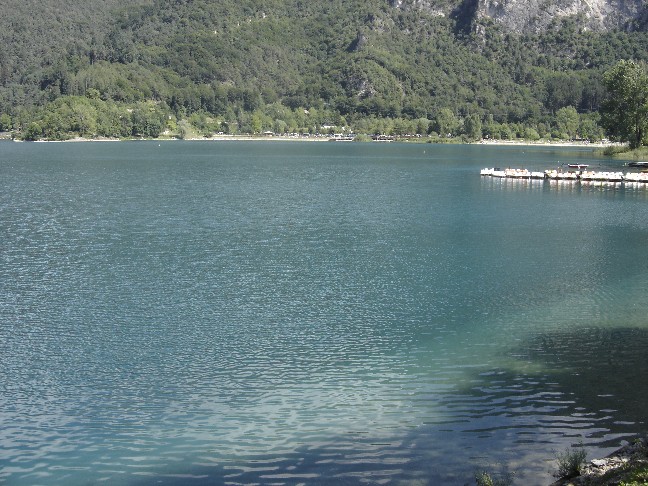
[(313, 313)]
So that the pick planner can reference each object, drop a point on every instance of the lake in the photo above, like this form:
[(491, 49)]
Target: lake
[(319, 313)]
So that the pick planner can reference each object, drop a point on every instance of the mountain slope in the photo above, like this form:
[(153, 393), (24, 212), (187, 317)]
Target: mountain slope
[(36, 35), (503, 62)]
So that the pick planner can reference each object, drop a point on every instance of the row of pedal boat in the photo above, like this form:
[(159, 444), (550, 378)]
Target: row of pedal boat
[(577, 175)]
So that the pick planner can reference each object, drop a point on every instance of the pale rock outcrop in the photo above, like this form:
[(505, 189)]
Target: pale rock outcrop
[(536, 15)]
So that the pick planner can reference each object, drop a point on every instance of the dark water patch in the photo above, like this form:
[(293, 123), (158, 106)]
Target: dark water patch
[(587, 385), (606, 369)]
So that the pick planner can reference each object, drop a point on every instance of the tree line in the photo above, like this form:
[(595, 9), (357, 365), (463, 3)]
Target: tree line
[(90, 117)]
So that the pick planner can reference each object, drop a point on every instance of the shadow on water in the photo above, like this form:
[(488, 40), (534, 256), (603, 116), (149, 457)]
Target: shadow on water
[(326, 465), (598, 366), (561, 388)]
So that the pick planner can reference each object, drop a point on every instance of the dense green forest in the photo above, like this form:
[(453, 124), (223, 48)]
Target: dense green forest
[(192, 68)]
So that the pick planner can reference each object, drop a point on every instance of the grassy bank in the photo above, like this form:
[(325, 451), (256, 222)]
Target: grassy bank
[(624, 152)]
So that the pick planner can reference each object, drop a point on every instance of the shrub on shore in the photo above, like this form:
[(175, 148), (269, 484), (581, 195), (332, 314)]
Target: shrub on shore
[(571, 461)]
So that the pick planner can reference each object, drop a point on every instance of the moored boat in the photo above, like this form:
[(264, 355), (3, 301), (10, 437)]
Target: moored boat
[(493, 172), (517, 173), (587, 175), (584, 176), (558, 175), (606, 176), (636, 176)]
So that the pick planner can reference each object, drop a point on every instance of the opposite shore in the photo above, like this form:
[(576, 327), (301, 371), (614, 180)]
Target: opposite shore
[(613, 150), (332, 138)]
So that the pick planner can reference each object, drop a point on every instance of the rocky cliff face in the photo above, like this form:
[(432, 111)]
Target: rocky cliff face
[(537, 15), (429, 6)]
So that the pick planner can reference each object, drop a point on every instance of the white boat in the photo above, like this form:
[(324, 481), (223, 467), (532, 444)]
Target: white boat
[(636, 177), (608, 176), (561, 176), (517, 173)]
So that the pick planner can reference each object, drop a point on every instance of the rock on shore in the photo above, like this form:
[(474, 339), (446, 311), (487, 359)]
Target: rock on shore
[(612, 469)]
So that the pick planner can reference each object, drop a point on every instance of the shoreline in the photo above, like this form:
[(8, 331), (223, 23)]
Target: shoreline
[(620, 466), (546, 143), (279, 138)]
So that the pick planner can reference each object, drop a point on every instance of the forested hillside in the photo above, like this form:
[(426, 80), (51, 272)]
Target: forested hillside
[(111, 68)]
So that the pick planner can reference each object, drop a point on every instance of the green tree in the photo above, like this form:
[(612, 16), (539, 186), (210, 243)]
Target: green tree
[(147, 120), (563, 90), (568, 121), (5, 122), (114, 121), (446, 122), (257, 123), (84, 117), (34, 131), (505, 132), (590, 129), (473, 127), (92, 94), (624, 113), (491, 129), (422, 126), (531, 134), (52, 125)]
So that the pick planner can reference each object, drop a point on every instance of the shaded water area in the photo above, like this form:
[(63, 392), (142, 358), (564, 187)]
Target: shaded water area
[(243, 312)]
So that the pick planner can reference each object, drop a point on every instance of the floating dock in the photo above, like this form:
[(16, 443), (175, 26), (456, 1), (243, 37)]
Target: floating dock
[(559, 175)]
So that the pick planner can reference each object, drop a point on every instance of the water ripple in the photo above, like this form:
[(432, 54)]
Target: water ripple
[(310, 315)]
